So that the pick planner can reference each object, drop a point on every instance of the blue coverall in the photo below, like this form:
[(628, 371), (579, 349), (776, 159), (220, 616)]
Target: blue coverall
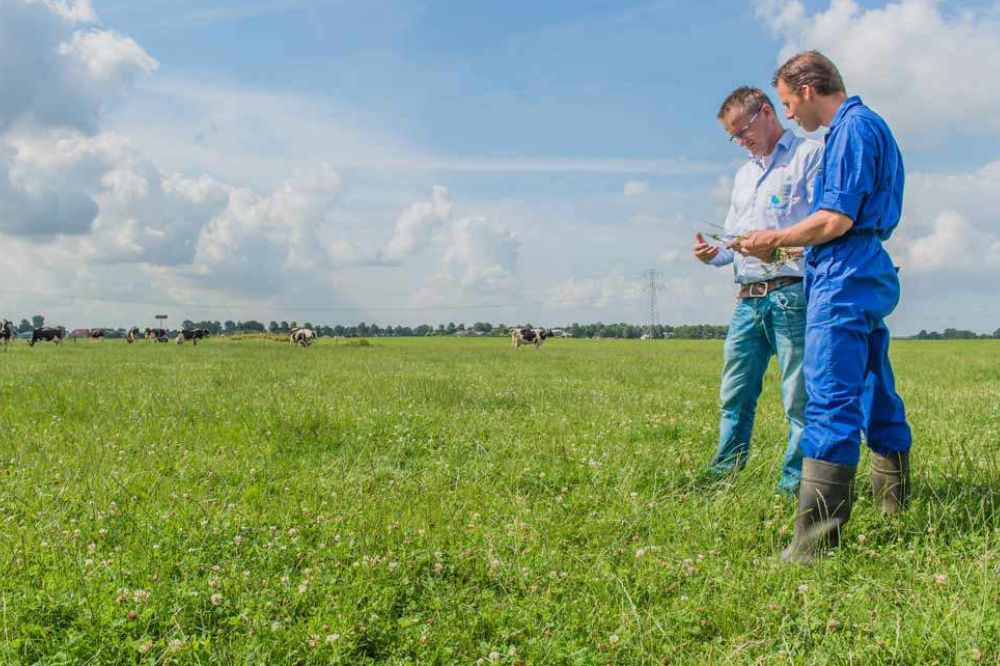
[(851, 286)]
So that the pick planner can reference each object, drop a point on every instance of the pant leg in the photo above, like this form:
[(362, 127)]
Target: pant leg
[(854, 288), (746, 355), (788, 326), (886, 428), (835, 364)]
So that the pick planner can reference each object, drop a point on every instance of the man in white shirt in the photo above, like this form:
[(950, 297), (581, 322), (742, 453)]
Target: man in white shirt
[(772, 190)]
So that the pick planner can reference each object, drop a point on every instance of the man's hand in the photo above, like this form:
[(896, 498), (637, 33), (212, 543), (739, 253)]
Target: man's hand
[(703, 250), (760, 244)]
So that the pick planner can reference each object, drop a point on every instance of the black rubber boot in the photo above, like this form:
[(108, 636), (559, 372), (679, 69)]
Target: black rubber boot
[(891, 482), (825, 499)]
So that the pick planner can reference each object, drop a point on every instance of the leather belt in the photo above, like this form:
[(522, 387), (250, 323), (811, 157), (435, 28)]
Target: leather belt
[(764, 287)]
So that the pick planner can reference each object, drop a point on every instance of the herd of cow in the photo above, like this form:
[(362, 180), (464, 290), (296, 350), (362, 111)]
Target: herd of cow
[(299, 336)]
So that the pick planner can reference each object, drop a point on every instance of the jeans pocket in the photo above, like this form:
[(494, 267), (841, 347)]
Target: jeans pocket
[(790, 298)]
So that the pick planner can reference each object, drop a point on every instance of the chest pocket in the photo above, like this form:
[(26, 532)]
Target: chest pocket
[(778, 199)]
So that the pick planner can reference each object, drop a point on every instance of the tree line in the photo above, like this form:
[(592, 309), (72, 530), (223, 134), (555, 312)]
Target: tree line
[(955, 334), (479, 328)]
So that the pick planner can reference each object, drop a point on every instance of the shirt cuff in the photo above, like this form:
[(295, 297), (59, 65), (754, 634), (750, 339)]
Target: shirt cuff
[(845, 203), (723, 258)]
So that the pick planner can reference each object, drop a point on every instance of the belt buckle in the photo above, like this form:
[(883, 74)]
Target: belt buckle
[(760, 292)]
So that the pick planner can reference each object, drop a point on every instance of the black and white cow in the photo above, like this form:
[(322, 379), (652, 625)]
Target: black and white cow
[(95, 334), (156, 335), (7, 333), (133, 335), (47, 334), (535, 336), (303, 336), (192, 334)]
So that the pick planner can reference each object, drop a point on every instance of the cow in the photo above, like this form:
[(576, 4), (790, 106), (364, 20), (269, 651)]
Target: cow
[(156, 335), (536, 336), (303, 336), (7, 333), (133, 335), (47, 334), (192, 334), (95, 334)]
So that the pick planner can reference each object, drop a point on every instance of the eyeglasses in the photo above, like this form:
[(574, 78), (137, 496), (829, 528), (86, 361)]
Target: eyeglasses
[(738, 136)]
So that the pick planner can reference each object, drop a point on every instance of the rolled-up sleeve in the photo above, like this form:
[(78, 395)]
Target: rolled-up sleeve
[(849, 170)]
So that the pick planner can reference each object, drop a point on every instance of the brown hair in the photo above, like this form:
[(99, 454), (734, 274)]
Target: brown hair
[(810, 68), (745, 98)]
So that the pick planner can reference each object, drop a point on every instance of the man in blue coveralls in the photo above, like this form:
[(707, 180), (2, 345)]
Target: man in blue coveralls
[(772, 189), (851, 286)]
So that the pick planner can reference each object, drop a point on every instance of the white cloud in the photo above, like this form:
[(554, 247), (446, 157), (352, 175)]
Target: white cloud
[(635, 188), (416, 225), (949, 246), (55, 75), (479, 258), (949, 223), (74, 11), (107, 59), (922, 66), (481, 253), (597, 292)]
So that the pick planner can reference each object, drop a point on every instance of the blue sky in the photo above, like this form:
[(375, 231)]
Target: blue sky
[(508, 161)]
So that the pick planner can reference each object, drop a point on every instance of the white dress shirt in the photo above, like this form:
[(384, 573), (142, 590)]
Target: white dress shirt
[(771, 192)]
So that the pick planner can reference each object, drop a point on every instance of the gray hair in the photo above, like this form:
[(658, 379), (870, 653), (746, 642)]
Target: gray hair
[(746, 99)]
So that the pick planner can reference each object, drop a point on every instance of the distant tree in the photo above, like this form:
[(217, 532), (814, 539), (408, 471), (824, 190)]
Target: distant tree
[(996, 333), (229, 326), (308, 325), (252, 326), (284, 326), (188, 324), (24, 326), (37, 321), (958, 334), (273, 327)]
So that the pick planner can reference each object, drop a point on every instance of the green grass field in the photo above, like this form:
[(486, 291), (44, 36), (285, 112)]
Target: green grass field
[(449, 501)]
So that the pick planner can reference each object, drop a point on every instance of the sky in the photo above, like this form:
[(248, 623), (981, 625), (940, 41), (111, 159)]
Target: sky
[(425, 161)]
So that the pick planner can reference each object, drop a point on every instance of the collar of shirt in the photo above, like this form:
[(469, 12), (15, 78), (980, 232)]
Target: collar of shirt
[(848, 104), (765, 161)]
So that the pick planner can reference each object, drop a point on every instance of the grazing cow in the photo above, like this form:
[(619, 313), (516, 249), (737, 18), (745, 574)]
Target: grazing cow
[(156, 335), (192, 334), (95, 334), (47, 334), (133, 335), (7, 333), (303, 336), (535, 336)]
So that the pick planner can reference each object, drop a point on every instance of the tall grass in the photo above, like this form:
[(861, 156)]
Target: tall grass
[(442, 501)]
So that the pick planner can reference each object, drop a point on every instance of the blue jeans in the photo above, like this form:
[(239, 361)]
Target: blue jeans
[(760, 327)]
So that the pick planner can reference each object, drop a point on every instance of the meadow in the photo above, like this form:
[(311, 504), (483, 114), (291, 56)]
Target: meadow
[(452, 501)]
